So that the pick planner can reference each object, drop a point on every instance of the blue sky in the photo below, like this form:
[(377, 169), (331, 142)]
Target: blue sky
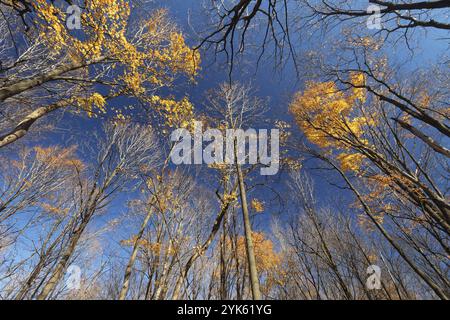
[(277, 85)]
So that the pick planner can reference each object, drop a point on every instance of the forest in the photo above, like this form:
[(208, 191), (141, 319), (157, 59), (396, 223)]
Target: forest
[(224, 150)]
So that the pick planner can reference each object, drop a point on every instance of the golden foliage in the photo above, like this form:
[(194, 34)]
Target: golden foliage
[(327, 116), (155, 247), (57, 157), (257, 205), (350, 162), (179, 114), (266, 257), (151, 57), (57, 211), (89, 104)]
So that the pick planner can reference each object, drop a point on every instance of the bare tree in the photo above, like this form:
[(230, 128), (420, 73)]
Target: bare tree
[(125, 149)]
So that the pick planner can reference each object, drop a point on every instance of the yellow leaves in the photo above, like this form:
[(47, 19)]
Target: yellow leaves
[(358, 81), (350, 162), (89, 104), (97, 100), (284, 128), (321, 106), (176, 113), (220, 167), (101, 21), (372, 258), (54, 210), (365, 222), (424, 100), (58, 157), (181, 57), (228, 198), (381, 181), (257, 205), (134, 82), (265, 255), (292, 163), (369, 43), (119, 117), (148, 57), (323, 111), (267, 259), (52, 26), (144, 244), (327, 117)]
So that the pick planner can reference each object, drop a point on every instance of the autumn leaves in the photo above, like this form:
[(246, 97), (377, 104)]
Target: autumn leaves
[(110, 58), (332, 118)]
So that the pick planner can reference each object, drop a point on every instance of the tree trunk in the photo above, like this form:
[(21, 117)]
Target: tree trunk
[(204, 247), (62, 265), (22, 128), (254, 279), (127, 276), (27, 84)]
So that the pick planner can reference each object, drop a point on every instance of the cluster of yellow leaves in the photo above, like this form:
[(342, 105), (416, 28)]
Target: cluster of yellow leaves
[(382, 203), (369, 43), (179, 114), (424, 100), (268, 261), (54, 210), (365, 222), (292, 164), (266, 257), (154, 56), (178, 56), (372, 258), (219, 166), (358, 80), (154, 247), (284, 129), (102, 21), (327, 117), (91, 103), (257, 205), (350, 161), (324, 112), (230, 197), (58, 157), (52, 29), (378, 199), (169, 199)]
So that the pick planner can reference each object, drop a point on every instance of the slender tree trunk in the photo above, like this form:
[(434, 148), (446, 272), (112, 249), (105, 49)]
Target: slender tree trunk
[(204, 247), (62, 265), (27, 84), (162, 284), (254, 279), (23, 126), (223, 271), (70, 249), (127, 276), (437, 290), (40, 265), (428, 140)]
